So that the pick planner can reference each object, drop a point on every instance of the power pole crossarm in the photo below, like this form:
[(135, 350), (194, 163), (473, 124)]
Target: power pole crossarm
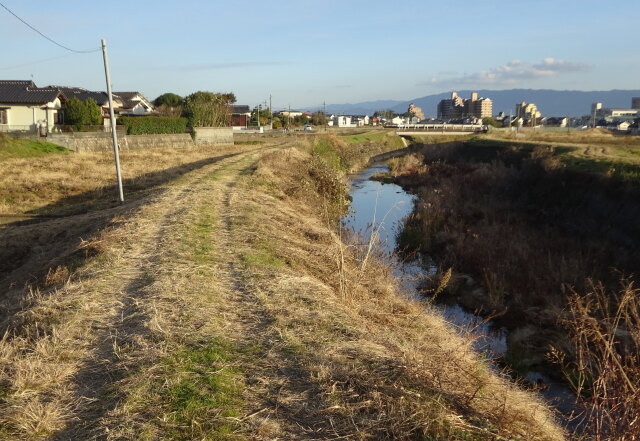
[(114, 135)]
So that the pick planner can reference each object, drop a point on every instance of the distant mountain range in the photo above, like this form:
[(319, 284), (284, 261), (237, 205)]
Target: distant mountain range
[(549, 102)]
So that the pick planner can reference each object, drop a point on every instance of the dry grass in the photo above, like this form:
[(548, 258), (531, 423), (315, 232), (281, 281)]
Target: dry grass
[(599, 137), (214, 312), (53, 184), (605, 332), (379, 366)]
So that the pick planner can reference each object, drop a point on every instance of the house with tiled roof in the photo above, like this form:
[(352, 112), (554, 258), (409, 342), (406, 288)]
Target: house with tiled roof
[(240, 116), (24, 107), (133, 103)]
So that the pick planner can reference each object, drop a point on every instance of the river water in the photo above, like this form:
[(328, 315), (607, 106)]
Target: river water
[(379, 209)]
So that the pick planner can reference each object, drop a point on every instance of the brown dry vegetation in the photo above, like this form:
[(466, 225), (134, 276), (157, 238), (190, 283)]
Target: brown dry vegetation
[(595, 137), (533, 229), (224, 305), (63, 184)]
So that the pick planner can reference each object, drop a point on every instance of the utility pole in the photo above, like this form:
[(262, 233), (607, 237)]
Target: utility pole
[(324, 114), (270, 113), (289, 116), (114, 135)]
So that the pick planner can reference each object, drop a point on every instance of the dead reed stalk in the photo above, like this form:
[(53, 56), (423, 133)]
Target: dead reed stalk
[(605, 332)]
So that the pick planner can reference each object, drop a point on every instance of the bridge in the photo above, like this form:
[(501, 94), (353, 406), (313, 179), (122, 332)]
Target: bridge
[(438, 129)]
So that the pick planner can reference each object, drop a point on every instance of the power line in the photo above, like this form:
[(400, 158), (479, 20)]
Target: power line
[(34, 62), (44, 36)]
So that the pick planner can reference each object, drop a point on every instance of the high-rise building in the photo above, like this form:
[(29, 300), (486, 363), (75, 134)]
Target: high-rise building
[(478, 107), (458, 107), (635, 102), (527, 111)]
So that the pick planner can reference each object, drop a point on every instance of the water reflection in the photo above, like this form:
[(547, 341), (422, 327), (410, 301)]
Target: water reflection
[(379, 210)]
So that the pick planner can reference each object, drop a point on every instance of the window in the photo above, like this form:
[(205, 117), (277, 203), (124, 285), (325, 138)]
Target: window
[(3, 116)]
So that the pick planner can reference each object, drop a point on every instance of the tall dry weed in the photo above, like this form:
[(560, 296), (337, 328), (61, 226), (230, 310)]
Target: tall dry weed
[(605, 333)]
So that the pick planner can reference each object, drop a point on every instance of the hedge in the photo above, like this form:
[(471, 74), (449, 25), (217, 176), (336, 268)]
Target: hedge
[(148, 125)]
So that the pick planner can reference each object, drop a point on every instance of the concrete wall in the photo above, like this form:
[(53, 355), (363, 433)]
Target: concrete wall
[(88, 142), (99, 142), (177, 140), (214, 135)]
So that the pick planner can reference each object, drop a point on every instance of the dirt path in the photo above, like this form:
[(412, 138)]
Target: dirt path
[(107, 324)]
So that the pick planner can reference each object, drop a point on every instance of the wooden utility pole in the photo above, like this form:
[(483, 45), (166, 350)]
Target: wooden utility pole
[(114, 135)]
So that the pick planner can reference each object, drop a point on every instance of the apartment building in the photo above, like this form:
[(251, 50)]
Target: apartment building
[(458, 107)]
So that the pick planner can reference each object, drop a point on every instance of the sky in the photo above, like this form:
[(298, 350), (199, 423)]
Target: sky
[(303, 53)]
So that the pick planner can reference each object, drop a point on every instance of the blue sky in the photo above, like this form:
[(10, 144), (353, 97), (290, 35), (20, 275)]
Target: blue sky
[(306, 52)]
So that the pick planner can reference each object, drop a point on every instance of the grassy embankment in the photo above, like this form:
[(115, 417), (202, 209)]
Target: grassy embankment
[(534, 225), (225, 306), (36, 180)]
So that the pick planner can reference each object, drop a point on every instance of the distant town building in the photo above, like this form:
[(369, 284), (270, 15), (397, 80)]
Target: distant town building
[(348, 120), (457, 107), (416, 111), (615, 115), (452, 107), (561, 121), (527, 111), (635, 102)]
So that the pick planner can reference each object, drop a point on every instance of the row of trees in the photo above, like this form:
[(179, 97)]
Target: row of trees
[(202, 109)]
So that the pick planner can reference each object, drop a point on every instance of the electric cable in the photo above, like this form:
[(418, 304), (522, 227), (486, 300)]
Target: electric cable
[(34, 62), (44, 36)]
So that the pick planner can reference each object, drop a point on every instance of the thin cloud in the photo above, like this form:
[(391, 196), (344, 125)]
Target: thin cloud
[(236, 65), (513, 72)]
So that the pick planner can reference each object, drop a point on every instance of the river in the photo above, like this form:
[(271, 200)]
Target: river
[(380, 209)]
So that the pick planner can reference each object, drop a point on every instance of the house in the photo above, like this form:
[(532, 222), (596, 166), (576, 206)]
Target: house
[(240, 116), (360, 120), (623, 126), (132, 104), (556, 121), (101, 99), (289, 113), (342, 121), (27, 108)]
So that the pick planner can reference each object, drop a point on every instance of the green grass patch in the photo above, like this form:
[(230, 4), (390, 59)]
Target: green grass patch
[(24, 148), (200, 237), (262, 256), (327, 151), (197, 395), (375, 136)]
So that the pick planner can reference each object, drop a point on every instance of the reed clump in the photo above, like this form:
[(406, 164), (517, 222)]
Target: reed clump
[(604, 367)]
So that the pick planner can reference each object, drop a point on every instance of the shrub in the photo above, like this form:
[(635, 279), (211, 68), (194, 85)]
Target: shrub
[(79, 114), (207, 109), (146, 125)]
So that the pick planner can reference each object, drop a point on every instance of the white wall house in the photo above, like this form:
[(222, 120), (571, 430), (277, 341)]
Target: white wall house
[(27, 108), (343, 121), (133, 103), (360, 120)]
